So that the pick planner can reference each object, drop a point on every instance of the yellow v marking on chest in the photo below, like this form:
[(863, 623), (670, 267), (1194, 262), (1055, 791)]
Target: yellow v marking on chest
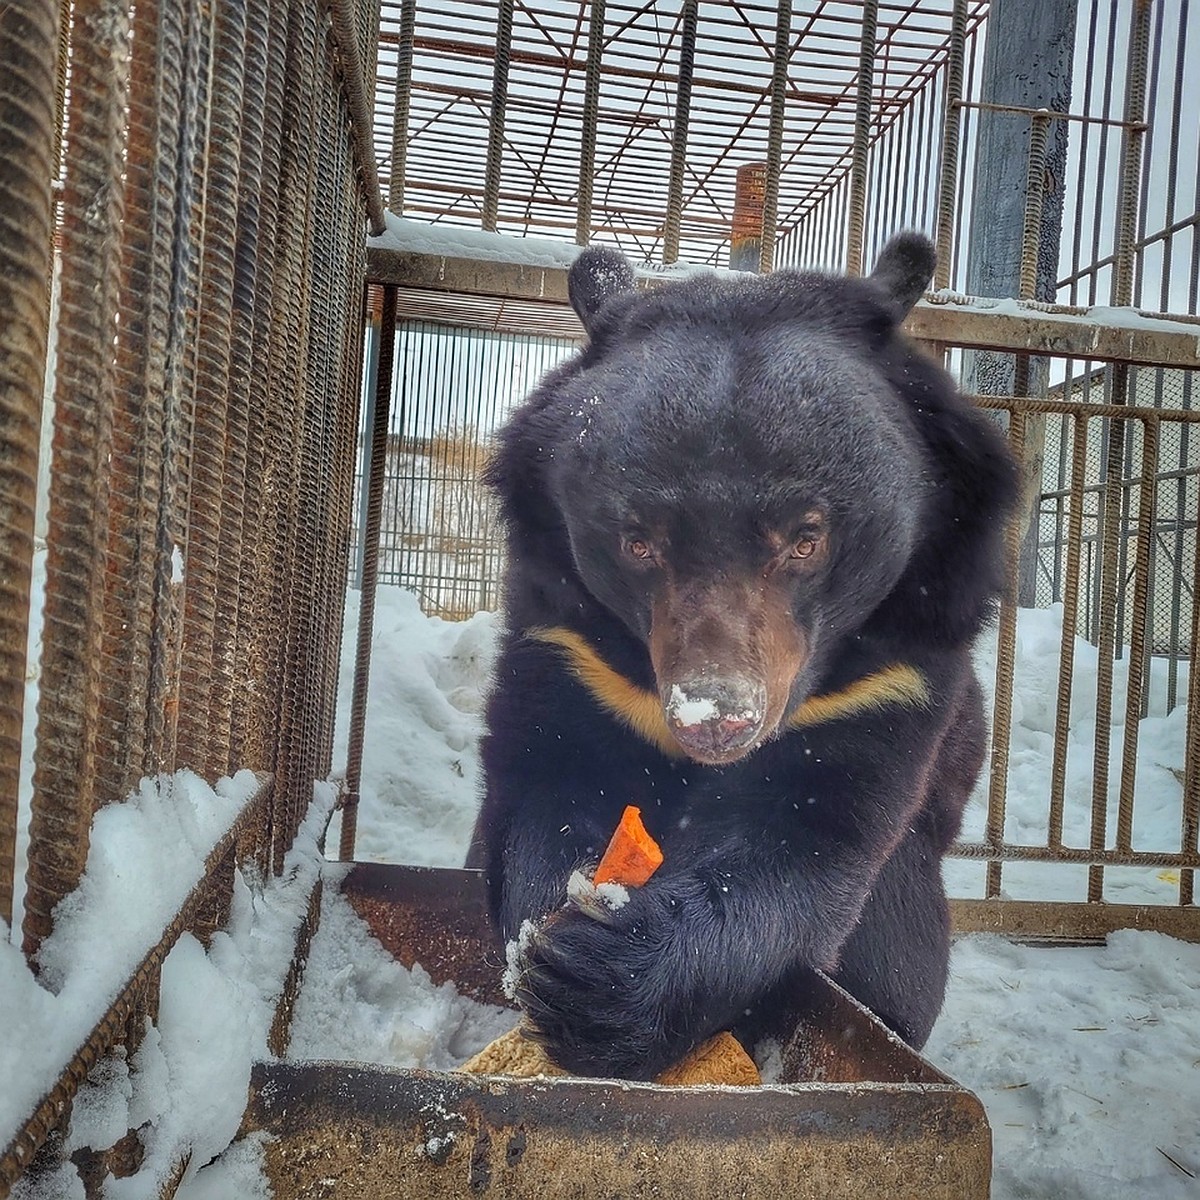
[(900, 685)]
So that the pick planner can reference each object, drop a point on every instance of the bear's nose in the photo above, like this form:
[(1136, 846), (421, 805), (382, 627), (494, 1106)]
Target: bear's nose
[(715, 722)]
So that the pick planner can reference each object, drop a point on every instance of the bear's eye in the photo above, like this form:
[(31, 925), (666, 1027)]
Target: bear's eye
[(638, 548), (806, 547)]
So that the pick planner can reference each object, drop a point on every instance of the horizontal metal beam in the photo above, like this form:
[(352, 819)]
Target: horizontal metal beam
[(1097, 335), (1071, 921)]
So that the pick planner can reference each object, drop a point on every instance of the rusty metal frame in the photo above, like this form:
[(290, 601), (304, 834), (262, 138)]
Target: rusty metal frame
[(752, 100), (470, 286)]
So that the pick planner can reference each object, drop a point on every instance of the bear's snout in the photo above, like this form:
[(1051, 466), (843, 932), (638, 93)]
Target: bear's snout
[(716, 720)]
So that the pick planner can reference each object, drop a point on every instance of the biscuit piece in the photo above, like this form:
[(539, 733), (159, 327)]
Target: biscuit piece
[(719, 1060)]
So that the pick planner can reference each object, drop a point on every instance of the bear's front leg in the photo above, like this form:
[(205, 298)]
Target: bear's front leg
[(683, 959)]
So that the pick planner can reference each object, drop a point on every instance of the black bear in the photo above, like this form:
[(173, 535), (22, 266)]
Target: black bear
[(752, 531)]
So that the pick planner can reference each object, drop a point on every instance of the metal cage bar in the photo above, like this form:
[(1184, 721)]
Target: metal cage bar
[(28, 137), (64, 779)]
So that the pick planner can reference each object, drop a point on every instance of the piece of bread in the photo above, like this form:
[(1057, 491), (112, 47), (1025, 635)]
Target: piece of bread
[(719, 1060)]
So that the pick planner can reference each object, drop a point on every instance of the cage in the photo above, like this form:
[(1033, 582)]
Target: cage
[(221, 402)]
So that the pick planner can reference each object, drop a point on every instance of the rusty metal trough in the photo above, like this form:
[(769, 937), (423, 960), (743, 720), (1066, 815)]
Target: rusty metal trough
[(859, 1113)]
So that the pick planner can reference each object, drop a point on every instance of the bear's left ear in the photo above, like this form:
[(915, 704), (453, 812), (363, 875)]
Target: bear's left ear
[(903, 271), (598, 274)]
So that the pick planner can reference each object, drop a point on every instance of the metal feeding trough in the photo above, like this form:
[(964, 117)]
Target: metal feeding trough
[(859, 1114)]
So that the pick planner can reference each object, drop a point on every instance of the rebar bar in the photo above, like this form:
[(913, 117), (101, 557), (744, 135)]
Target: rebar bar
[(864, 90), (1139, 646), (28, 149), (679, 130), (1035, 194), (64, 777), (1132, 142), (780, 60), (497, 113), (259, 653), (135, 473), (242, 491), (1006, 647), (400, 110), (207, 672), (591, 114), (951, 131), (359, 100), (1066, 658)]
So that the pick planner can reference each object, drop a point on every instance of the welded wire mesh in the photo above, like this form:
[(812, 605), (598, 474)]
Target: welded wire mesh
[(1177, 476), (596, 157), (1119, 508), (632, 127), (453, 387)]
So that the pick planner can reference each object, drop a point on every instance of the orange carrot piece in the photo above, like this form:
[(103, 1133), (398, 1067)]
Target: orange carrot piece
[(632, 855)]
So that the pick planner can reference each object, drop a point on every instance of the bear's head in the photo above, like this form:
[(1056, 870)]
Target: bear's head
[(735, 468)]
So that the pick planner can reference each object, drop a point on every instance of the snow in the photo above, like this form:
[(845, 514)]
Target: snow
[(443, 240), (688, 710), (191, 1070), (457, 241), (146, 855), (363, 1006), (1086, 1061), (1095, 318), (1158, 788), (596, 899), (511, 978), (420, 781)]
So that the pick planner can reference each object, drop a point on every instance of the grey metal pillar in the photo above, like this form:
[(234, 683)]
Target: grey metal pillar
[(1026, 65)]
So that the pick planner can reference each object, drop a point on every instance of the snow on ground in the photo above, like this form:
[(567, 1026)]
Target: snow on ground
[(1086, 1061), (425, 702), (1086, 1058), (1158, 790), (188, 1084), (104, 929)]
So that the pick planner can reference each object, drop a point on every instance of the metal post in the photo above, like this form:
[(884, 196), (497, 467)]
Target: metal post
[(366, 612), (591, 116), (1110, 532), (495, 152), (746, 236), (371, 361), (862, 135), (779, 74), (64, 776), (679, 134), (1016, 215)]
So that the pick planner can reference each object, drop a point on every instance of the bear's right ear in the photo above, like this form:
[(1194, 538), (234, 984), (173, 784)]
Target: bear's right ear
[(903, 270), (598, 274)]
